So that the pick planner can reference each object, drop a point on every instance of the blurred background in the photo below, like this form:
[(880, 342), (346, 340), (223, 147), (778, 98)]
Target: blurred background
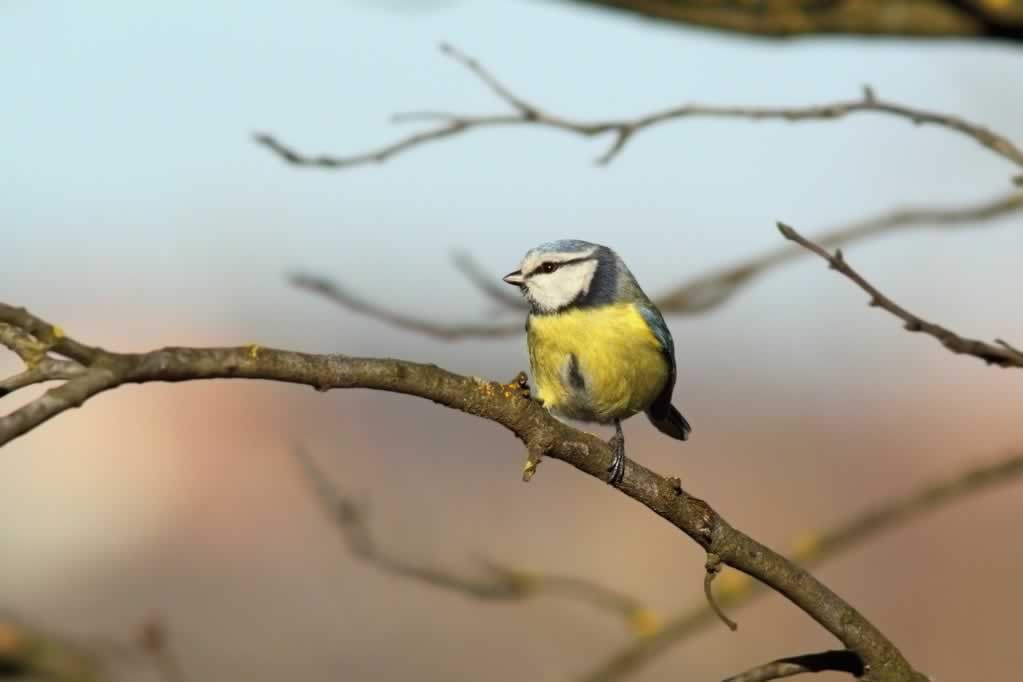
[(137, 212)]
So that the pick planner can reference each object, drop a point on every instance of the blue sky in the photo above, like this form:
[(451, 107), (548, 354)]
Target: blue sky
[(130, 161)]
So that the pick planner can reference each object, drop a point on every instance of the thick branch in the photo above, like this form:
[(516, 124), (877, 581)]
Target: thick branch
[(622, 130), (698, 295), (501, 583), (793, 18), (500, 403), (836, 661), (809, 549), (999, 353)]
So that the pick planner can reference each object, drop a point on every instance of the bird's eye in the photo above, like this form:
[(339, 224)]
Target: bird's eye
[(548, 267)]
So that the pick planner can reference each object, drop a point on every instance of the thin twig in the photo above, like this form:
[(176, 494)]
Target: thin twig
[(341, 296), (622, 130), (835, 661), (998, 353), (811, 549), (500, 293), (500, 403), (699, 295), (154, 642), (502, 584), (1009, 347), (524, 107), (712, 289)]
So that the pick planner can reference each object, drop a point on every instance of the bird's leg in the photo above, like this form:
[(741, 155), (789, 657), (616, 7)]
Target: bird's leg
[(617, 445)]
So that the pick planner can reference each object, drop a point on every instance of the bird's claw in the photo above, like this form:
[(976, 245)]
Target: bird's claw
[(521, 382), (617, 469)]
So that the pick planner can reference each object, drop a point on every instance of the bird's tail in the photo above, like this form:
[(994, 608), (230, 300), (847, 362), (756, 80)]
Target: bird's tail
[(671, 423)]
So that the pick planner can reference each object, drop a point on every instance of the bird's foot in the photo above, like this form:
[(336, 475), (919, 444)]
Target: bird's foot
[(617, 469), (521, 384)]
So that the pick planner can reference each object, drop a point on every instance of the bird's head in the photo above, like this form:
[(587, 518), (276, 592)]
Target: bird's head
[(567, 273)]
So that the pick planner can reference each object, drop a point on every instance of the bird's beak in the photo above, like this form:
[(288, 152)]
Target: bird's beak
[(515, 278)]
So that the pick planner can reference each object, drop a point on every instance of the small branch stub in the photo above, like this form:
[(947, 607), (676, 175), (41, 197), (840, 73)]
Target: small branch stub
[(533, 458), (713, 567)]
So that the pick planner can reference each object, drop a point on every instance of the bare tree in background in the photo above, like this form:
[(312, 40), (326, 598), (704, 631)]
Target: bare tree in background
[(83, 370)]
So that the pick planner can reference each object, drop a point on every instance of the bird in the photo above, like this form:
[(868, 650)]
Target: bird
[(599, 349)]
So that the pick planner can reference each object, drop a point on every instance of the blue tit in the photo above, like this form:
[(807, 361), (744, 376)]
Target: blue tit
[(599, 349)]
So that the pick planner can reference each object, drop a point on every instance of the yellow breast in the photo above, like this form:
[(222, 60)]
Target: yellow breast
[(596, 364)]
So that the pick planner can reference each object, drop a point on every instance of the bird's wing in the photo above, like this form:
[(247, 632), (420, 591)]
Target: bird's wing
[(660, 331), (662, 413)]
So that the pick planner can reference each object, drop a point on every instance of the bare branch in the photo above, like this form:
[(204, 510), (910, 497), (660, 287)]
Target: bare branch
[(40, 367), (810, 549), (28, 652), (502, 583), (836, 661), (524, 107), (712, 289), (1008, 346), (47, 369), (699, 295), (622, 130), (500, 403), (1001, 20), (24, 345), (341, 296), (31, 338), (485, 281), (998, 353)]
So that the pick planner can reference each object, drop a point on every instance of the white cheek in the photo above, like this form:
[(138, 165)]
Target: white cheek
[(542, 296), (554, 291), (551, 295)]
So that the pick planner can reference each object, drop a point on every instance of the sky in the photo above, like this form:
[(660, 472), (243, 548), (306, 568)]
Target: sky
[(137, 212), (131, 127)]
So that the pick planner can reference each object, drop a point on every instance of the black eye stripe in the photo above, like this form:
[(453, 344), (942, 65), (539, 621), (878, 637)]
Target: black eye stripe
[(550, 266)]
